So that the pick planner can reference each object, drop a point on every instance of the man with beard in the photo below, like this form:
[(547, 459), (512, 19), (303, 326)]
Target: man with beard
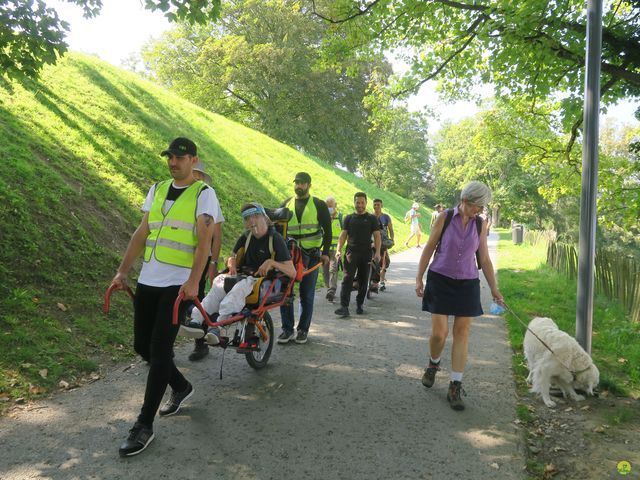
[(357, 230), (311, 227)]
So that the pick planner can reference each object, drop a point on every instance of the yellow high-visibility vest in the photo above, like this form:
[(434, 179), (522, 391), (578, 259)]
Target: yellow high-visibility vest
[(173, 238), (336, 229), (307, 232)]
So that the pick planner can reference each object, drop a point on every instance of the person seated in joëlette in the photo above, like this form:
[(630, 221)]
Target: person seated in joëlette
[(256, 252)]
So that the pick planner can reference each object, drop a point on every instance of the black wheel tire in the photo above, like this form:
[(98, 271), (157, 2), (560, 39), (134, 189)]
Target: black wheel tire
[(259, 359), (369, 294)]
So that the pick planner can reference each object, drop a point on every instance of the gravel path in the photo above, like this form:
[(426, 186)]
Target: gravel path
[(347, 405)]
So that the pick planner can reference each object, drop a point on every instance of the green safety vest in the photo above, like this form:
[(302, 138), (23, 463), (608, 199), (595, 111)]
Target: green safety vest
[(172, 238), (307, 232), (336, 229)]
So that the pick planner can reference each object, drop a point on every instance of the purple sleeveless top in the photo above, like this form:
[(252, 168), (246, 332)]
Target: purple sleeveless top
[(456, 255)]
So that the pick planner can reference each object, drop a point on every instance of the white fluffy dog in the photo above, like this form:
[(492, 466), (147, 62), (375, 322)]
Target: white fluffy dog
[(568, 367)]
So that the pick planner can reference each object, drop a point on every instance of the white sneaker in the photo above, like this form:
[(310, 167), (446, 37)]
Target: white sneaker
[(192, 329), (212, 337)]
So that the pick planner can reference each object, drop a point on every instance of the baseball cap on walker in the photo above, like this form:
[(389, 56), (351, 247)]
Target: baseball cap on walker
[(302, 177), (181, 146)]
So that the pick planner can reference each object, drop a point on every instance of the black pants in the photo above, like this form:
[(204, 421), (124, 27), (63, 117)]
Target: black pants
[(153, 337), (357, 268)]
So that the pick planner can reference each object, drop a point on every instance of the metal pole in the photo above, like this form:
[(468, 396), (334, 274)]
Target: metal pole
[(586, 256)]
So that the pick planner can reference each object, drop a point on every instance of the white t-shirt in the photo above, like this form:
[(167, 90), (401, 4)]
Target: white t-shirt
[(157, 274)]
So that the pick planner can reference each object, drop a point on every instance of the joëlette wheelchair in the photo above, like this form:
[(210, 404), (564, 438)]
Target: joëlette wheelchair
[(256, 310)]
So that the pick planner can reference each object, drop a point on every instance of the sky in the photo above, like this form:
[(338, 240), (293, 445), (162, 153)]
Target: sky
[(124, 26)]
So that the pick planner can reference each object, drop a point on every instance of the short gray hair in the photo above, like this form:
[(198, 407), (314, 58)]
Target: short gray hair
[(331, 199), (477, 193)]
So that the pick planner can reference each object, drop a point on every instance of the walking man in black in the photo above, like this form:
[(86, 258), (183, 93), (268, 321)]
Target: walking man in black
[(357, 230)]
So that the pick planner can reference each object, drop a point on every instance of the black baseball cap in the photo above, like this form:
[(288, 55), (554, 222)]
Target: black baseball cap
[(302, 177), (181, 146)]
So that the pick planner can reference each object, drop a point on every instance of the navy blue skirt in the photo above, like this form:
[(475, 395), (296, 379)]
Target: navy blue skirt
[(447, 296)]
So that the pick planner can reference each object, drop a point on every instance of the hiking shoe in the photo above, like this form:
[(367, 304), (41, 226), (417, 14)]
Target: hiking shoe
[(192, 329), (359, 310), (139, 438), (331, 296), (213, 336), (454, 395), (429, 376), (200, 350), (342, 312), (301, 337), (286, 336), (175, 402)]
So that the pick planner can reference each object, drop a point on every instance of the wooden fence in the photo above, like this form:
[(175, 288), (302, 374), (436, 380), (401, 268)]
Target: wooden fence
[(617, 276)]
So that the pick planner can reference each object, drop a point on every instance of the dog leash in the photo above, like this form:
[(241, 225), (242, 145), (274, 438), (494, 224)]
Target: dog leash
[(575, 374)]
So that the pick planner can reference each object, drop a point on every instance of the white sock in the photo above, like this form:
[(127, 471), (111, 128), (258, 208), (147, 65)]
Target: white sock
[(456, 376), (434, 360)]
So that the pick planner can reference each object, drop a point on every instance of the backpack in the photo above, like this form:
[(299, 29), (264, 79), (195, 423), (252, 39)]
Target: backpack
[(447, 221), (385, 241)]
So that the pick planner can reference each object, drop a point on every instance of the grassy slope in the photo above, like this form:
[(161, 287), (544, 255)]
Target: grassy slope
[(80, 149), (531, 288)]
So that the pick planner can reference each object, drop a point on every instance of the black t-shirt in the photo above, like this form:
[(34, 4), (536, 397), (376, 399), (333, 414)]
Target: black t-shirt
[(258, 251), (359, 230)]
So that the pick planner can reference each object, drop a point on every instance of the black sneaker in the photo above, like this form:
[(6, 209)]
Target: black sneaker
[(331, 296), (200, 350), (429, 376), (286, 336), (359, 310), (342, 311), (175, 402), (454, 395), (301, 337), (139, 438)]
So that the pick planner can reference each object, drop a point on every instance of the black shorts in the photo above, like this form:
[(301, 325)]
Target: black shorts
[(447, 296)]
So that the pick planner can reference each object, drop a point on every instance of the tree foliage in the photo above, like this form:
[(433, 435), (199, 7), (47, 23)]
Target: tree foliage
[(476, 149), (521, 158), (32, 34), (261, 65), (533, 49), (401, 160)]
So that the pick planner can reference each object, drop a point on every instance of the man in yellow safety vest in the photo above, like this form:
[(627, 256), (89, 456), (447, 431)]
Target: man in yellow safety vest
[(174, 238), (311, 227)]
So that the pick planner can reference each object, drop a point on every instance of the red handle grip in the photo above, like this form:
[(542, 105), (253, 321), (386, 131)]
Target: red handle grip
[(176, 307), (107, 297)]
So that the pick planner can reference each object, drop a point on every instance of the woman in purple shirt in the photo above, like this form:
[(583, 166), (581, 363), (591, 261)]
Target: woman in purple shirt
[(453, 283)]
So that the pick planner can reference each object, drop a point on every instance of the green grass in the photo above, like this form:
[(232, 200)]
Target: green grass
[(80, 148), (531, 289)]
